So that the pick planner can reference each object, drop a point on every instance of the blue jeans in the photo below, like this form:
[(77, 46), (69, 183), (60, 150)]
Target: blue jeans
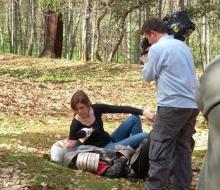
[(129, 132)]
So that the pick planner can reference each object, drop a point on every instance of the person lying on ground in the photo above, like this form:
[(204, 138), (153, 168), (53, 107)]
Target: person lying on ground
[(208, 99), (121, 162), (89, 116)]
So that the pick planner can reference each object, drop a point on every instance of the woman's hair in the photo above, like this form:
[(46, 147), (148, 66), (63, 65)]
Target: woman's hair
[(79, 97), (155, 24)]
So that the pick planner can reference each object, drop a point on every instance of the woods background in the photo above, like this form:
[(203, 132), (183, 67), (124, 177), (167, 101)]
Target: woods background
[(99, 30)]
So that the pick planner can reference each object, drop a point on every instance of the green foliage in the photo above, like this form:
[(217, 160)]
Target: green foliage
[(120, 8), (199, 10), (52, 5)]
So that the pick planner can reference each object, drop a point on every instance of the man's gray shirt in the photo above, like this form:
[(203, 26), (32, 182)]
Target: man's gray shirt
[(170, 64)]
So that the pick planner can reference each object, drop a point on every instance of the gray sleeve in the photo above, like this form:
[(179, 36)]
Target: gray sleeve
[(208, 93), (151, 68)]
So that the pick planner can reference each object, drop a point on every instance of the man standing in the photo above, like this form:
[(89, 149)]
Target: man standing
[(169, 62)]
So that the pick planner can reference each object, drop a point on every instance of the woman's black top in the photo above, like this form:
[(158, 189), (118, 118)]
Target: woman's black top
[(99, 136)]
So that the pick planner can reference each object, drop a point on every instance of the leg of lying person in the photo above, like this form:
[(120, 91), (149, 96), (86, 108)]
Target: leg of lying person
[(130, 126), (58, 151), (117, 169), (132, 141)]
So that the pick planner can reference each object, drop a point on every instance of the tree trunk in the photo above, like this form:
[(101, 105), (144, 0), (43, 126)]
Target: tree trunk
[(98, 32), (98, 35), (115, 49), (73, 37), (16, 29), (30, 42), (1, 38), (128, 39), (86, 32), (59, 38), (160, 8), (10, 17), (33, 27), (94, 19), (137, 36), (181, 5), (120, 30), (205, 39), (53, 35), (120, 35), (68, 30)]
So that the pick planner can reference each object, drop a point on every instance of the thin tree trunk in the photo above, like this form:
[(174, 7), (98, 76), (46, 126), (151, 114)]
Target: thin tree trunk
[(181, 5), (20, 36), (94, 18), (73, 37), (160, 8), (98, 31), (11, 25), (30, 42), (33, 24), (69, 27), (128, 39), (98, 36), (205, 38), (137, 37), (120, 30), (86, 32), (1, 38), (16, 26)]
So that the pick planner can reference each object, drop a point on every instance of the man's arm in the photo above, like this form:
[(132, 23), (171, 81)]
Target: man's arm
[(151, 67)]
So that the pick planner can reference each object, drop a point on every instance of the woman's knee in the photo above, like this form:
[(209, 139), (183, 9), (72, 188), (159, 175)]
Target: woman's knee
[(135, 118)]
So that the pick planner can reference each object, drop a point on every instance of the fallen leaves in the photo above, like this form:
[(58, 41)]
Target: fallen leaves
[(2, 154), (10, 179), (25, 91)]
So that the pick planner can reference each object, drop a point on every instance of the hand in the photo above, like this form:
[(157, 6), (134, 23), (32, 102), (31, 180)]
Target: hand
[(146, 84), (69, 144), (149, 115), (143, 58)]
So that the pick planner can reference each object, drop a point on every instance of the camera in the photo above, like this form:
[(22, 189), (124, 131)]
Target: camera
[(178, 24), (84, 134), (144, 46)]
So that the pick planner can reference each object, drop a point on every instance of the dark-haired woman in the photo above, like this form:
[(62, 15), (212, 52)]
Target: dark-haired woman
[(88, 120)]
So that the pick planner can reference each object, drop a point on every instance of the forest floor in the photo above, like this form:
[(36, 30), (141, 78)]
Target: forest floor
[(35, 112)]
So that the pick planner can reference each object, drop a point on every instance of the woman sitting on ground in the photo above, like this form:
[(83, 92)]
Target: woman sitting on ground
[(88, 124)]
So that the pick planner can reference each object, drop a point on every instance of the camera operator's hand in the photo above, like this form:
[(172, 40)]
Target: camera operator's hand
[(149, 115), (143, 58)]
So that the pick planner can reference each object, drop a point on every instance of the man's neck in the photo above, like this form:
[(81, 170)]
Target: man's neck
[(161, 35)]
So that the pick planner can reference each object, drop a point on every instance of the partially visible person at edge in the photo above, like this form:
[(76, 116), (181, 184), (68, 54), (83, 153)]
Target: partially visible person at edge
[(208, 98), (88, 120), (170, 63)]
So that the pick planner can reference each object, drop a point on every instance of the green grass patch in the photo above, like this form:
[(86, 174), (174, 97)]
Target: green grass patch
[(39, 171), (25, 144)]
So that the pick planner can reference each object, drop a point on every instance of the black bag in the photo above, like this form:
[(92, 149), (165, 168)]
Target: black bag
[(140, 160)]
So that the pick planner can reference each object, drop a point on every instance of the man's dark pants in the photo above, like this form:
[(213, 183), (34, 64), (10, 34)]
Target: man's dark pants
[(171, 147)]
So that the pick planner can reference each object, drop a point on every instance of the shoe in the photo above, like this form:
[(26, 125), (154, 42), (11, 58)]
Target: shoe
[(125, 151)]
